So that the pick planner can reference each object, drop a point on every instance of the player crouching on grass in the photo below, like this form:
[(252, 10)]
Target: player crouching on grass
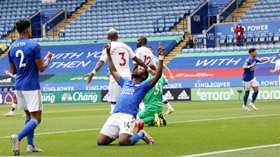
[(122, 122)]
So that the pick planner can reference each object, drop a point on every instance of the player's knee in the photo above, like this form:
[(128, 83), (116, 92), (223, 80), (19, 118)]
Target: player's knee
[(124, 142), (102, 142)]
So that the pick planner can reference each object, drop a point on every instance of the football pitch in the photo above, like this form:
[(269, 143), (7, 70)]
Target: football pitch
[(214, 129)]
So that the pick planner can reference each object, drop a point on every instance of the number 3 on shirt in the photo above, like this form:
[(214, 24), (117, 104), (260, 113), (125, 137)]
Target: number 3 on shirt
[(122, 58), (20, 54)]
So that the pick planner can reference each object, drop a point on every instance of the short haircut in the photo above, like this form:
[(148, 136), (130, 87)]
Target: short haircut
[(251, 50), (144, 39), (22, 25)]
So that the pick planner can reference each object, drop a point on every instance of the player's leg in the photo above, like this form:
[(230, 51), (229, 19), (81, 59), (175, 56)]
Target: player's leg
[(109, 131), (126, 138), (255, 86), (33, 118), (247, 86), (14, 105), (170, 109)]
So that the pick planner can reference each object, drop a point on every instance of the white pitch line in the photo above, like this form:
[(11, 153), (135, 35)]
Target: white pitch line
[(188, 121), (60, 132), (225, 118), (232, 150)]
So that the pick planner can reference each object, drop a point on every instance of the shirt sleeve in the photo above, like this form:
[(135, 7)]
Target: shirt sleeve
[(147, 86), (10, 59), (121, 82), (130, 52), (37, 52), (257, 60), (104, 56), (277, 65), (246, 62), (138, 54)]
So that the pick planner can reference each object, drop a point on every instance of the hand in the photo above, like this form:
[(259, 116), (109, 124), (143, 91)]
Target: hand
[(271, 57), (108, 47), (6, 72), (272, 71), (49, 55), (89, 77), (160, 51), (172, 77)]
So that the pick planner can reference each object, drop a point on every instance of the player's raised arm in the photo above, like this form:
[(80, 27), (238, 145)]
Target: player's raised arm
[(169, 72), (158, 74), (139, 62), (111, 65), (98, 65), (265, 59), (41, 65)]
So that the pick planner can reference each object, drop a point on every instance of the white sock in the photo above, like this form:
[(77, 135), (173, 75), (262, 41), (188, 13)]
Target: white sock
[(112, 108), (166, 103), (14, 105)]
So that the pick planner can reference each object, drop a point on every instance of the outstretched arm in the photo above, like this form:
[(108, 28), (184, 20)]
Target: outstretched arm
[(265, 59), (111, 65), (169, 72), (98, 65), (158, 74), (9, 74)]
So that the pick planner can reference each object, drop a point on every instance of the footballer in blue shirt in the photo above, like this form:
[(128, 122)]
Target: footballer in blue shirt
[(26, 62), (122, 122), (249, 79)]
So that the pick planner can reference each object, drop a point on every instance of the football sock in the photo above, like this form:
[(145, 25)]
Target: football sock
[(245, 98), (136, 137), (29, 136), (28, 128), (13, 107), (254, 96), (167, 104)]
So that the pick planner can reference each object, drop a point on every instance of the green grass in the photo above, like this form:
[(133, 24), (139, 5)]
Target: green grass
[(194, 128)]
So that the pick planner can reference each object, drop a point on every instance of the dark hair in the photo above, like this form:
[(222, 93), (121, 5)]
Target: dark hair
[(251, 50), (144, 40), (22, 25)]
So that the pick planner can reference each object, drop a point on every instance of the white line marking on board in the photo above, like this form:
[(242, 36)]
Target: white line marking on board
[(232, 150)]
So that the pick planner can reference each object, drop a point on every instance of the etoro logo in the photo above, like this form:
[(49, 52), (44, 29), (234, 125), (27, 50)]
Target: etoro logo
[(215, 95), (66, 97), (169, 96), (183, 95)]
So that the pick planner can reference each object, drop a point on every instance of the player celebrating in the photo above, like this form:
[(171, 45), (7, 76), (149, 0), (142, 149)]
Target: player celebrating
[(277, 68), (122, 122), (25, 61), (120, 54), (249, 79)]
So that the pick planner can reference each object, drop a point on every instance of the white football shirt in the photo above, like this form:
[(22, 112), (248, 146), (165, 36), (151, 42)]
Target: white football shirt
[(277, 65), (120, 53), (145, 55)]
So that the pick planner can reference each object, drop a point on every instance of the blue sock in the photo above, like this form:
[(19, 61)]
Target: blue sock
[(135, 138), (29, 136), (28, 128), (245, 98), (12, 109), (254, 96), (166, 101)]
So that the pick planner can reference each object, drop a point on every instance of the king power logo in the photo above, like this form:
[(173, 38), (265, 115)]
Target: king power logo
[(169, 96), (183, 96)]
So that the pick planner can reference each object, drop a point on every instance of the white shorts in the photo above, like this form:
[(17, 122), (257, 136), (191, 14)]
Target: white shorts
[(118, 123), (114, 90), (249, 84), (29, 100)]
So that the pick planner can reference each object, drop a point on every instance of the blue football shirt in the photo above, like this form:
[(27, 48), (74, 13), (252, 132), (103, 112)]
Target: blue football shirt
[(23, 53), (248, 74), (131, 96)]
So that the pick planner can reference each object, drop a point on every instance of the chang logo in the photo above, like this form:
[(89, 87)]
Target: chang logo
[(66, 97), (196, 18)]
